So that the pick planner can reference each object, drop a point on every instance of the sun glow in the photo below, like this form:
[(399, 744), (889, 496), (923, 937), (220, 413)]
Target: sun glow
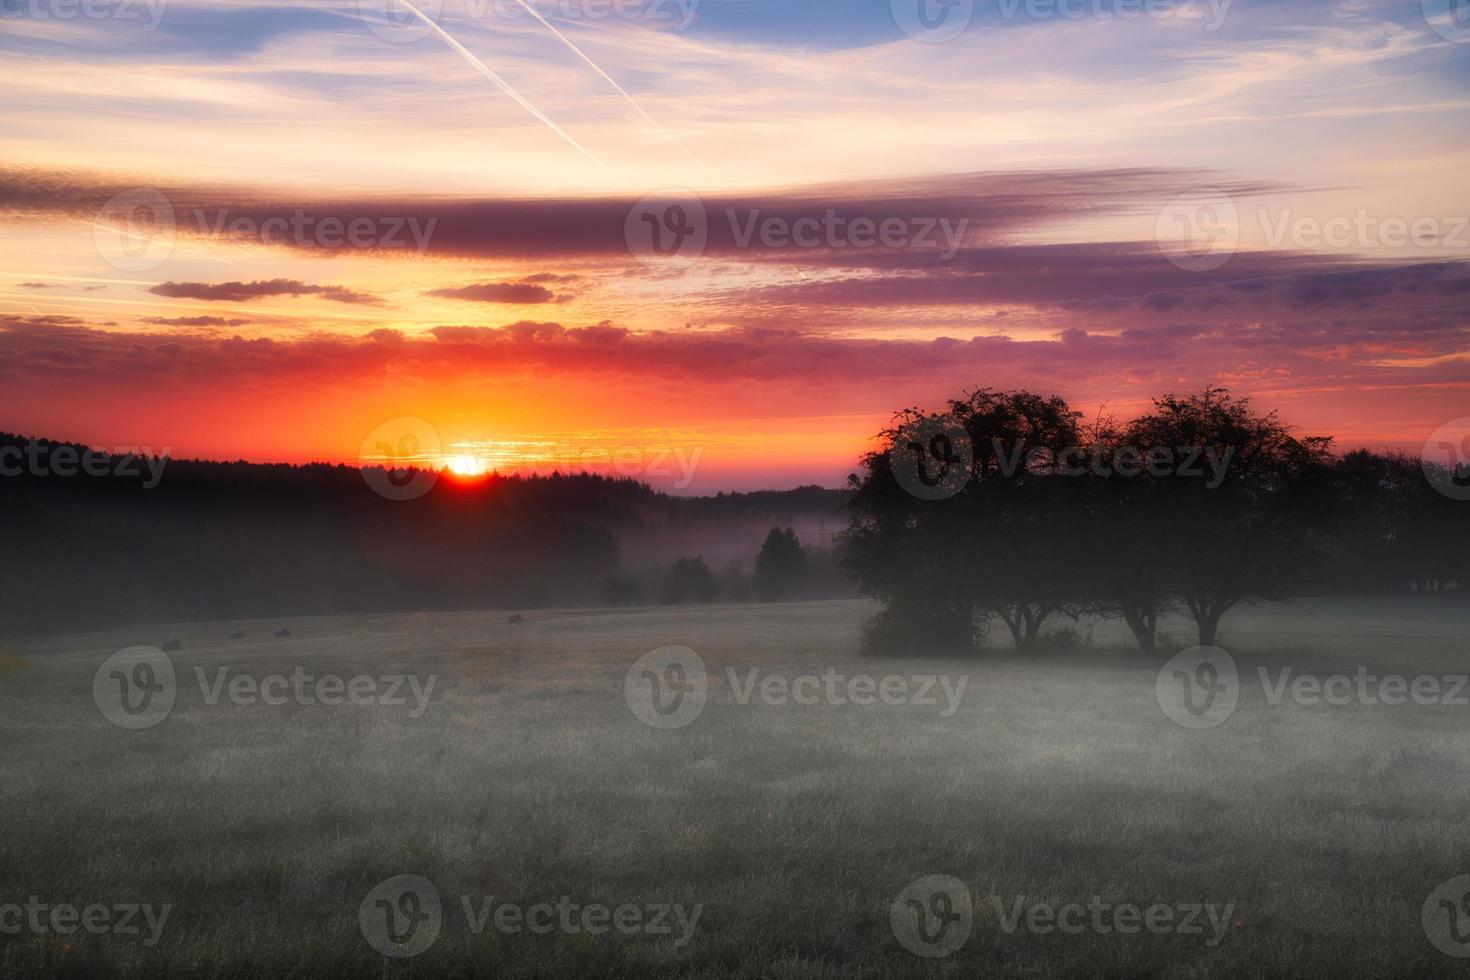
[(465, 465)]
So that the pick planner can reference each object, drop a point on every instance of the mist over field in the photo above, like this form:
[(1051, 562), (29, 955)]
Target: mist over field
[(785, 832)]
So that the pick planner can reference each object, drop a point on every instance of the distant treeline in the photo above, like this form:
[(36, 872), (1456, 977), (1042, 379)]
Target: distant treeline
[(1007, 507), (93, 540)]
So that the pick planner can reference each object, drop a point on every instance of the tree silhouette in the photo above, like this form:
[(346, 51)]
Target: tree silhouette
[(689, 580), (780, 566), (1045, 519), (1258, 534)]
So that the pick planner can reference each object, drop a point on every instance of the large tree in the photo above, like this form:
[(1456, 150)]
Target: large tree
[(961, 515), (1255, 531), (1005, 506), (1024, 565)]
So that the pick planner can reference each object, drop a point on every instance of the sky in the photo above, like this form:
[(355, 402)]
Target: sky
[(716, 244)]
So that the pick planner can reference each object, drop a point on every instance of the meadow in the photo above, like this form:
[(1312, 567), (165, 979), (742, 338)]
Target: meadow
[(792, 827)]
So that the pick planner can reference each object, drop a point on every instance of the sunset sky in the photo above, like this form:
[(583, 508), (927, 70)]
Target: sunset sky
[(1035, 171)]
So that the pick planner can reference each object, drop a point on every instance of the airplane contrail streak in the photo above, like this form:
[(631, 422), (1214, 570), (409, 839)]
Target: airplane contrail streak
[(124, 233), (609, 79), (500, 83)]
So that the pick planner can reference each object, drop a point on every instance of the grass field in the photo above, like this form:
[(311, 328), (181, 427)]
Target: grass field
[(792, 827)]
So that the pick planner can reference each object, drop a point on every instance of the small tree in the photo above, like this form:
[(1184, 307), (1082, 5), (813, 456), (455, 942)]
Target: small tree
[(781, 565), (689, 580)]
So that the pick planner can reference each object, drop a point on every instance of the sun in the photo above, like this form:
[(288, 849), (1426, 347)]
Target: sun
[(465, 465)]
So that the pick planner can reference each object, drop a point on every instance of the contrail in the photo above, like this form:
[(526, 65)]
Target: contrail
[(500, 83), (609, 79), (176, 246)]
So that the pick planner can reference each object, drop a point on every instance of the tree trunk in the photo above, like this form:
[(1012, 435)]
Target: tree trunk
[(1144, 623), (1033, 620), (1024, 622), (1018, 634)]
